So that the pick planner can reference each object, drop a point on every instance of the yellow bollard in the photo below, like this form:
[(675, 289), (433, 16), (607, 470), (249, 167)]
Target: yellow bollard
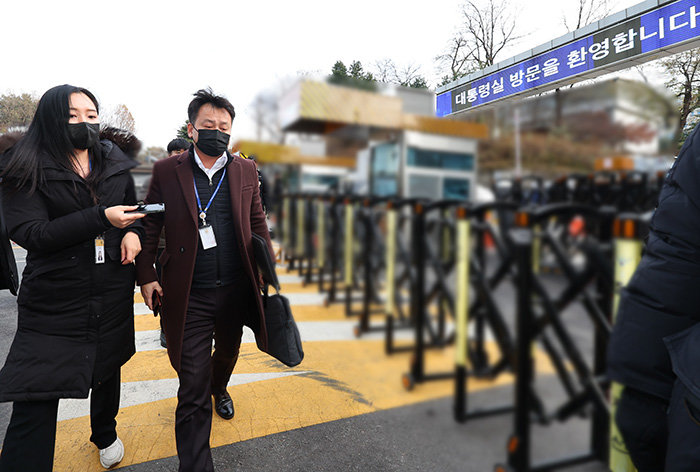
[(286, 224), (462, 302), (391, 223), (300, 228), (536, 249), (349, 242), (628, 254), (321, 232)]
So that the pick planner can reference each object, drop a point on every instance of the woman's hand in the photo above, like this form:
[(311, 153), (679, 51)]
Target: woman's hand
[(131, 246), (119, 219)]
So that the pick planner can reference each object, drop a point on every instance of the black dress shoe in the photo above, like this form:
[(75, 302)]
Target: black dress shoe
[(163, 342), (223, 405)]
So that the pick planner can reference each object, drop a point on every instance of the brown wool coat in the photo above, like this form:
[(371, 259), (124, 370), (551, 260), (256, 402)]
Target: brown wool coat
[(171, 183)]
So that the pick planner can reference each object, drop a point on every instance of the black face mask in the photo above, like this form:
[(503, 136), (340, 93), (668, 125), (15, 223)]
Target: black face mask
[(212, 142), (84, 135)]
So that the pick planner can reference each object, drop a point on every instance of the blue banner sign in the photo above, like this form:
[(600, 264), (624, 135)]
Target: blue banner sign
[(654, 30)]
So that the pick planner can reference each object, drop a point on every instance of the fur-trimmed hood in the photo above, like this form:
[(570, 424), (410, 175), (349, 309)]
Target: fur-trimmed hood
[(125, 140), (8, 140)]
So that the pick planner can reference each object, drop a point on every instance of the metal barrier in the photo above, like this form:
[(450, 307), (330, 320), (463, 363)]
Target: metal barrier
[(443, 268), (484, 312), (541, 305), (336, 229), (400, 274), (373, 262), (352, 251), (288, 225), (306, 231), (432, 242)]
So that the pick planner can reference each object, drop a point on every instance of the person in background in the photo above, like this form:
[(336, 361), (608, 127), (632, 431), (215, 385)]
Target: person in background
[(210, 285), (66, 197), (178, 146), (654, 349)]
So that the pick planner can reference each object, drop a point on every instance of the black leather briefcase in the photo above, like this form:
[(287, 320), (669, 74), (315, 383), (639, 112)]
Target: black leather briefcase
[(283, 339)]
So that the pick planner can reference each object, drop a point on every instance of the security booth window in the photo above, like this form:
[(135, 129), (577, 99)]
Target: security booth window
[(384, 170), (440, 159), (455, 189)]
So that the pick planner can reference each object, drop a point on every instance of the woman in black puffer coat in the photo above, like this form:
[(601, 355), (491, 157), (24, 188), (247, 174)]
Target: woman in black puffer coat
[(65, 195)]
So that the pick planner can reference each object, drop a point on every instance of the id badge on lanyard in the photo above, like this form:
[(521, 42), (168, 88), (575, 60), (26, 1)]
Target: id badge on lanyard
[(206, 233), (100, 250)]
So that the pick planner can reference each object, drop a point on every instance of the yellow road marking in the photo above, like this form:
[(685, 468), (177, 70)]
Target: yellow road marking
[(343, 379), (301, 313)]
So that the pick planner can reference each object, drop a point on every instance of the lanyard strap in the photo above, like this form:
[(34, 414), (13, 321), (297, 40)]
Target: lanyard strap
[(203, 213)]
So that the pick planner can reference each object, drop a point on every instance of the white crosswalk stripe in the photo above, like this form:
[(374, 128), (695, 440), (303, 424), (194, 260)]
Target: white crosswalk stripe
[(309, 331), (137, 393)]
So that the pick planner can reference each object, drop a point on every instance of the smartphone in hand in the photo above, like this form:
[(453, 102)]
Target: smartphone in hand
[(147, 209), (155, 303)]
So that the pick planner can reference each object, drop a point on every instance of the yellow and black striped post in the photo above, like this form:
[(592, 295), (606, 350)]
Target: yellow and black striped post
[(628, 254)]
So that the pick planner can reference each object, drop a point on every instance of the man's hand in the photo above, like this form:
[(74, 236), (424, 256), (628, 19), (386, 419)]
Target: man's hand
[(131, 246), (147, 292)]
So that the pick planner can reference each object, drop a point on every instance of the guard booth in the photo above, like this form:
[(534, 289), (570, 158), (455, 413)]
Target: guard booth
[(402, 149), (419, 165), (300, 172)]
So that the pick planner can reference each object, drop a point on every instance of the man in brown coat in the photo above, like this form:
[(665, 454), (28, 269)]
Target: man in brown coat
[(209, 279)]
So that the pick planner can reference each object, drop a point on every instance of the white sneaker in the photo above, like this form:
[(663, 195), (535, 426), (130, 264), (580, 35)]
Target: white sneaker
[(112, 455)]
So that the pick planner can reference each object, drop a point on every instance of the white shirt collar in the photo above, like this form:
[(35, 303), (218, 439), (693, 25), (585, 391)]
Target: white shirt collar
[(218, 165)]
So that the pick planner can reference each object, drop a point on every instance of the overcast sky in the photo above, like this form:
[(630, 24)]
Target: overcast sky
[(151, 55)]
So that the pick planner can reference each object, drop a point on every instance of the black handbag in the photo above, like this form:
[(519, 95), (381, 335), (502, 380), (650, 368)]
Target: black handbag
[(283, 339)]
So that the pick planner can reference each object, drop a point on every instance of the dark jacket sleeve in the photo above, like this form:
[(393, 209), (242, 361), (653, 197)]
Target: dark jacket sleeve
[(152, 226), (29, 226)]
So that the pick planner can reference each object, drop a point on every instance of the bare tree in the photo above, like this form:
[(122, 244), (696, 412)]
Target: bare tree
[(120, 117), (455, 59), (586, 12), (408, 75), (684, 69), (384, 70), (265, 111), (16, 111), (488, 27)]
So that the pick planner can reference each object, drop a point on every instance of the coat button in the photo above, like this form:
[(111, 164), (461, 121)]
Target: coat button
[(182, 249)]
